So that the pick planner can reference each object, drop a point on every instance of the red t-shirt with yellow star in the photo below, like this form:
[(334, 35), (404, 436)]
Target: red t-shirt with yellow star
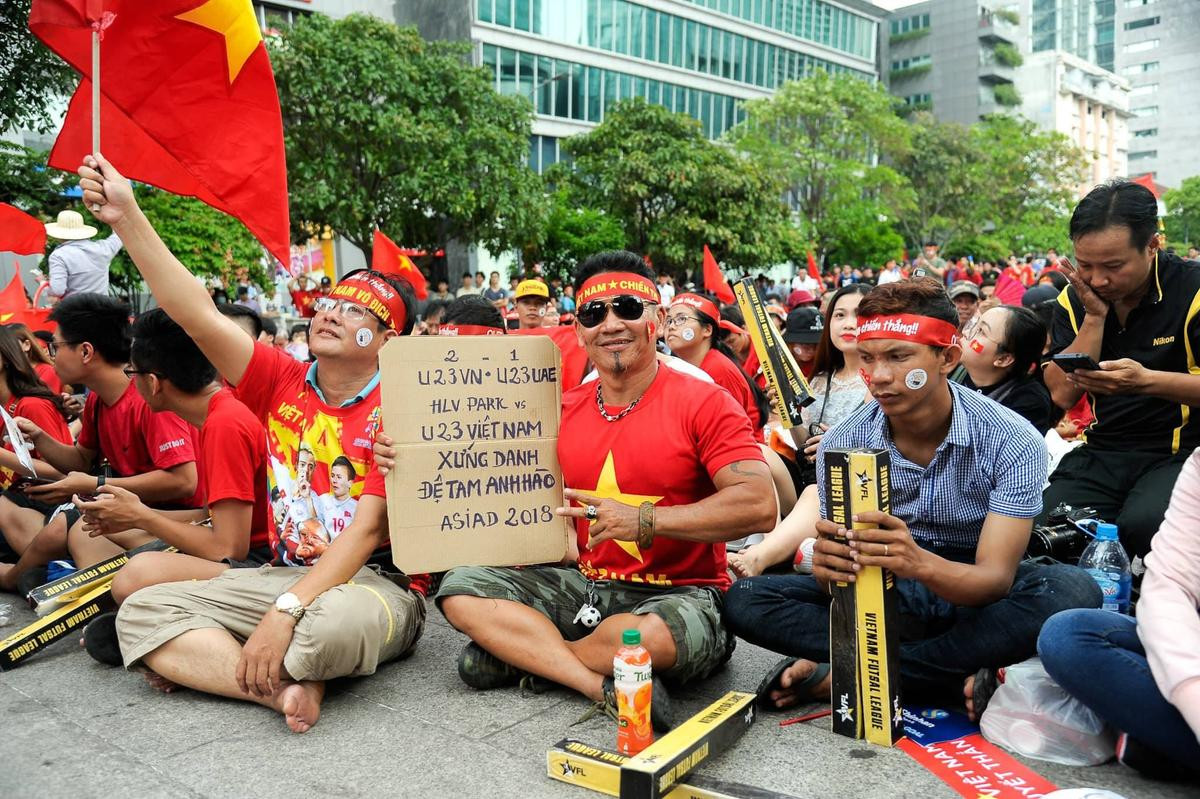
[(666, 450)]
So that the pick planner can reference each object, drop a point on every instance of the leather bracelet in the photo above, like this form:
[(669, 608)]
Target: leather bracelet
[(99, 481), (645, 538)]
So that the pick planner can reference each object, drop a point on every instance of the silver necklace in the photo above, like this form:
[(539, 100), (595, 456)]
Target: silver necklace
[(609, 417)]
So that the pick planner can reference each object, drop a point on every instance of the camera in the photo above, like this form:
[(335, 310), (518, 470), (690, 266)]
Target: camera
[(1066, 533)]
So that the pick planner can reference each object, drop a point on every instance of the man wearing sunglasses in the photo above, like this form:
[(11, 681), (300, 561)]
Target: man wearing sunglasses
[(151, 454), (330, 614), (662, 469)]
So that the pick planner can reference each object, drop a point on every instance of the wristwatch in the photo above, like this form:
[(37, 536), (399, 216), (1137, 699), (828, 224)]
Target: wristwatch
[(290, 604)]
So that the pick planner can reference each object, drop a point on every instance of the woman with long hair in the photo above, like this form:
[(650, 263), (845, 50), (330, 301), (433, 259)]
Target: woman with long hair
[(42, 363), (839, 391), (694, 333)]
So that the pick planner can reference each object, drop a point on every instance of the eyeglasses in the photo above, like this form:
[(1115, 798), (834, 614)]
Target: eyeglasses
[(626, 307), (974, 328), (130, 372), (679, 320), (52, 346), (351, 311)]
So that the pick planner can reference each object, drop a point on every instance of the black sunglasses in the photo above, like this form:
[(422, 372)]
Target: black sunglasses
[(626, 307)]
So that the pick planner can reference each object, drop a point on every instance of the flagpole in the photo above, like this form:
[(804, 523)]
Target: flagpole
[(95, 89)]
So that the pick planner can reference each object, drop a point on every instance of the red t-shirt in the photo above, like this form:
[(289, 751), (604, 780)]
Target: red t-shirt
[(233, 455), (307, 508), (136, 440), (728, 376), (45, 415), (50, 377), (666, 450)]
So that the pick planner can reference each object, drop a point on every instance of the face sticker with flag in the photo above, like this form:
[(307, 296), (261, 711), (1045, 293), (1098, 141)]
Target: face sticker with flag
[(374, 294)]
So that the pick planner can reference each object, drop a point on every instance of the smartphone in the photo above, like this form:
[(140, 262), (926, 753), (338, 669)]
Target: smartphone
[(88, 497), (21, 482), (1070, 361)]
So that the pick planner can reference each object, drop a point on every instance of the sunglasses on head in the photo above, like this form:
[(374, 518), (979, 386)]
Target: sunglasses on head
[(626, 307)]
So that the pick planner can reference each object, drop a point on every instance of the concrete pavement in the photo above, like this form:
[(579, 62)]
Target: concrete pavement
[(71, 727)]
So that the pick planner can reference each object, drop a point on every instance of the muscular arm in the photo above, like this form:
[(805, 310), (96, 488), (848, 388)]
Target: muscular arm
[(348, 552), (989, 578), (743, 504), (173, 287)]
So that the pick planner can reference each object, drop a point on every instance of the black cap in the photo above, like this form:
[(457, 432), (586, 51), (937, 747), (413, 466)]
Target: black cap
[(1040, 293), (325, 281), (804, 326)]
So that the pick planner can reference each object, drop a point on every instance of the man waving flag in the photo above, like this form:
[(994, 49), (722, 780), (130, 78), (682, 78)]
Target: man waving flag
[(187, 101)]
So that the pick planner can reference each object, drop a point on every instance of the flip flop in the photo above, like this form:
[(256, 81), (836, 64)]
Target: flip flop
[(987, 680), (100, 640), (772, 682)]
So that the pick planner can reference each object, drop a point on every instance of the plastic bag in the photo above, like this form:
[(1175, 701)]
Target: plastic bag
[(1032, 716)]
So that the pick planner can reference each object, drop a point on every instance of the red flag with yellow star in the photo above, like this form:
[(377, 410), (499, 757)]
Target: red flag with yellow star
[(387, 258), (188, 102)]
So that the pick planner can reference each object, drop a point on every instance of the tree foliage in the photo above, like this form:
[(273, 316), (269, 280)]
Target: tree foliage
[(673, 191), (26, 181), (384, 129), (1183, 212), (823, 137), (572, 233), (32, 79)]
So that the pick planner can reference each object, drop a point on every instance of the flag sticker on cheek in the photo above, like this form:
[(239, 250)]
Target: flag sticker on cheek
[(364, 337), (976, 345), (916, 379), (866, 378)]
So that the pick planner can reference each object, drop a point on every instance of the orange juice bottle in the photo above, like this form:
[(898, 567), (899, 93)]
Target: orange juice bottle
[(631, 677)]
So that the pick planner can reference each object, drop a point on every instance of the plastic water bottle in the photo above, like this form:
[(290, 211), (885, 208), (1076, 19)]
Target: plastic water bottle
[(632, 680), (1106, 561)]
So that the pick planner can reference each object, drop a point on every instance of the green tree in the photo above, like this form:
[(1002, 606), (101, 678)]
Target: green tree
[(207, 241), (947, 178), (673, 191), (572, 233), (32, 79), (1183, 213), (823, 137), (27, 183), (384, 129)]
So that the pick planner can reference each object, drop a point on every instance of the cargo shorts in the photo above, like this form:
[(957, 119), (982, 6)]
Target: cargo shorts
[(346, 632), (691, 613)]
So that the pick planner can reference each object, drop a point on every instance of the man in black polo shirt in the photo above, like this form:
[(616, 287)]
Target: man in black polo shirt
[(1133, 308)]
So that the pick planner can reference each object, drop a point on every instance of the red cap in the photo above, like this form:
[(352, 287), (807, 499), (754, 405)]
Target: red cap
[(800, 297)]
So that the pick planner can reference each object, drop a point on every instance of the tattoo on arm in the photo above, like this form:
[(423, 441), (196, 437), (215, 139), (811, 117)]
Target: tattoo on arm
[(741, 470)]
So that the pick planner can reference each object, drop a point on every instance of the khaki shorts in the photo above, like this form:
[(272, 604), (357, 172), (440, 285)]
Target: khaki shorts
[(691, 613), (346, 631)]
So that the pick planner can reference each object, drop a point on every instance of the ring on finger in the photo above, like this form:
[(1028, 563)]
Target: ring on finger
[(590, 513), (885, 550)]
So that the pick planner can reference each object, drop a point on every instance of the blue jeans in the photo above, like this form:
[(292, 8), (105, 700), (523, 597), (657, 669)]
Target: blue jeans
[(941, 644), (1097, 657)]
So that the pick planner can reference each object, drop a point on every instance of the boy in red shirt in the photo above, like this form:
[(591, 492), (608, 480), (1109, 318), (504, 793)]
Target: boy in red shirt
[(151, 454), (172, 374)]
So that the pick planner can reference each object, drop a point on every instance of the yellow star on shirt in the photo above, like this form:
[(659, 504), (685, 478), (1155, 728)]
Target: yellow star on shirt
[(607, 488), (233, 19)]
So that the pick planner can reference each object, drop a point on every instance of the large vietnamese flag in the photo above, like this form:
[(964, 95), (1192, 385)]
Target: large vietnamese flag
[(188, 102)]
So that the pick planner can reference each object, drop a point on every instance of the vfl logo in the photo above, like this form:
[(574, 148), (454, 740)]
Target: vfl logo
[(864, 480), (896, 713), (934, 713), (844, 710), (571, 770)]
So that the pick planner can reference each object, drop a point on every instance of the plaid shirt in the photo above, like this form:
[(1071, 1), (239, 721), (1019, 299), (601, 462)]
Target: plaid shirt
[(992, 461)]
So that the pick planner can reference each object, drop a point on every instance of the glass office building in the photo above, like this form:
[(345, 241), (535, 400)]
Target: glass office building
[(574, 59)]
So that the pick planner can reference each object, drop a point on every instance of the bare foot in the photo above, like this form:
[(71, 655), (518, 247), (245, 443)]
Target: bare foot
[(798, 672), (300, 704), (159, 682)]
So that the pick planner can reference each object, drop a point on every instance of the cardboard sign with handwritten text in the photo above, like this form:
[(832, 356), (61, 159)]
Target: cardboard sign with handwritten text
[(475, 424)]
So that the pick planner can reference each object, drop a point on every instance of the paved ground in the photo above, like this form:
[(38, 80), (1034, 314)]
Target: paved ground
[(71, 727)]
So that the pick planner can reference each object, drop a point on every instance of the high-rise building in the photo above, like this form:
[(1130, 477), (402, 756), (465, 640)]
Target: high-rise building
[(1085, 28), (1089, 105), (1156, 52), (574, 59), (953, 57)]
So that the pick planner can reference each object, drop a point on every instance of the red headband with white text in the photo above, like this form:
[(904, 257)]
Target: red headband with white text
[(702, 305), (615, 284), (908, 327), (374, 294), (469, 330)]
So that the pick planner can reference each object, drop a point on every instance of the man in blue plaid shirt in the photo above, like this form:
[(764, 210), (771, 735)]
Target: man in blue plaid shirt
[(966, 480)]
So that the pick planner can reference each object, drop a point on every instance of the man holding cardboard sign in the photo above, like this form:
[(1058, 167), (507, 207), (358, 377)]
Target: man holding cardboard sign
[(965, 475), (323, 612), (663, 469)]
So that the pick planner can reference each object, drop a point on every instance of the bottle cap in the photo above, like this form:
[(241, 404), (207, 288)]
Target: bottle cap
[(1106, 532), (631, 637)]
